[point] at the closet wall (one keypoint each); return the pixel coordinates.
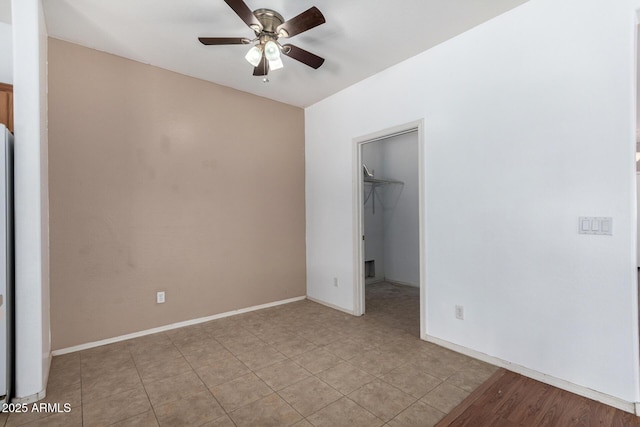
(391, 210)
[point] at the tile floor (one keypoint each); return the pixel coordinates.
(298, 364)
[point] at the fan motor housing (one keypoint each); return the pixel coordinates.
(270, 20)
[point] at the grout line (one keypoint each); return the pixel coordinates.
(471, 398)
(365, 330)
(205, 384)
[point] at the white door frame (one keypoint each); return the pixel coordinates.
(358, 215)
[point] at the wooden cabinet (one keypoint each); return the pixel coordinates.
(6, 105)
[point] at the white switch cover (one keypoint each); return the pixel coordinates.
(160, 298)
(585, 224)
(595, 225)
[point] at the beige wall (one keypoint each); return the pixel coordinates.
(160, 181)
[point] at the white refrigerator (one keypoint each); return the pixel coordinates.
(6, 263)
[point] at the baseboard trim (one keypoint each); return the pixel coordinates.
(539, 376)
(171, 326)
(328, 304)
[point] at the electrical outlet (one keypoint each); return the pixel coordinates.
(160, 298)
(335, 282)
(459, 312)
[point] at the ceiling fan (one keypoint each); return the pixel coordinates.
(269, 26)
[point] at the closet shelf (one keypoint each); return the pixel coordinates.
(376, 181)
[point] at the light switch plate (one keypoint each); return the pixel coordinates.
(600, 225)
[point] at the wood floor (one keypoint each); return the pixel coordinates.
(508, 399)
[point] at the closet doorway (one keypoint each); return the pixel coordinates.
(388, 178)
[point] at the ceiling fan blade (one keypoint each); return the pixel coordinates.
(223, 40)
(305, 21)
(308, 58)
(263, 67)
(243, 11)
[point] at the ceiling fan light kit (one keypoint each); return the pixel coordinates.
(268, 26)
(254, 56)
(271, 50)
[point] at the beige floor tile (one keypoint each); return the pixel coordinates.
(411, 380)
(270, 411)
(225, 368)
(345, 377)
(479, 365)
(107, 411)
(241, 342)
(445, 397)
(347, 348)
(273, 334)
(451, 357)
(146, 340)
(66, 361)
(28, 416)
(418, 414)
(175, 388)
(243, 346)
(469, 379)
(225, 328)
(381, 399)
(309, 395)
(223, 421)
(113, 361)
(241, 391)
(344, 413)
(317, 360)
(59, 393)
(154, 371)
(65, 370)
(261, 356)
(376, 362)
(294, 346)
(324, 336)
(282, 374)
(104, 353)
(146, 419)
(286, 346)
(195, 343)
(155, 353)
(437, 366)
(192, 411)
(71, 419)
(205, 357)
(110, 383)
(186, 331)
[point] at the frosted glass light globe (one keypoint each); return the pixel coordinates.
(271, 50)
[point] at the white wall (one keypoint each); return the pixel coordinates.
(392, 237)
(529, 124)
(6, 53)
(33, 346)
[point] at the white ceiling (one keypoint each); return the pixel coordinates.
(359, 39)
